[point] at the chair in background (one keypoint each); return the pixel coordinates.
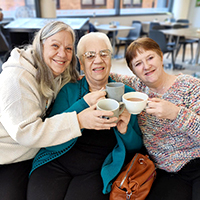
(160, 38)
(92, 28)
(161, 27)
(132, 35)
(22, 38)
(4, 49)
(172, 20)
(183, 42)
(152, 24)
(142, 31)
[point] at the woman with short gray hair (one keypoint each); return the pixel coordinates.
(85, 167)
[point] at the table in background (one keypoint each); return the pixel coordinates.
(107, 27)
(188, 33)
(5, 21)
(31, 25)
(168, 25)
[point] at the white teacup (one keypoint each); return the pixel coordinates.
(135, 101)
(111, 105)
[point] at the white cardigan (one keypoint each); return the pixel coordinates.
(22, 132)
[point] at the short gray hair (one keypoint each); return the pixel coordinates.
(88, 37)
(44, 73)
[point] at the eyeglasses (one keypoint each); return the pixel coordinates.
(91, 55)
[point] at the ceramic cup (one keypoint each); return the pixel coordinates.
(115, 90)
(135, 101)
(111, 105)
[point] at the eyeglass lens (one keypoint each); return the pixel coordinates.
(92, 54)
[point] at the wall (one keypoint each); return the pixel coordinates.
(194, 14)
(186, 9)
(51, 11)
(181, 9)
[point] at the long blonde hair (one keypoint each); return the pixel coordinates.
(44, 73)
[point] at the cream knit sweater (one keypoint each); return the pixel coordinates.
(22, 132)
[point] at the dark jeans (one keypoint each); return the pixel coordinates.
(183, 185)
(14, 180)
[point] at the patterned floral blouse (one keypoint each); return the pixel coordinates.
(171, 143)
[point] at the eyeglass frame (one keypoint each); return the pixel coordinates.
(95, 54)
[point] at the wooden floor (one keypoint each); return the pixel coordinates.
(119, 65)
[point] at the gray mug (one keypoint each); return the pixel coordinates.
(111, 105)
(115, 90)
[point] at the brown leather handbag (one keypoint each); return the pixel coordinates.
(135, 180)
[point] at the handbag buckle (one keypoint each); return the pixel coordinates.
(141, 161)
(128, 195)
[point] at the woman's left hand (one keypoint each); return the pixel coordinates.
(123, 121)
(162, 109)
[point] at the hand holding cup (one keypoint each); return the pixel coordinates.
(135, 102)
(115, 90)
(111, 105)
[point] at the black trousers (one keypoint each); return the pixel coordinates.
(14, 180)
(76, 174)
(183, 185)
(53, 181)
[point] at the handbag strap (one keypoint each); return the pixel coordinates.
(128, 171)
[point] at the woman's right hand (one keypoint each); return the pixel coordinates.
(91, 118)
(93, 97)
(162, 109)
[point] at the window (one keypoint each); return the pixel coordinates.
(145, 6)
(90, 8)
(87, 8)
(93, 3)
(132, 3)
(18, 8)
